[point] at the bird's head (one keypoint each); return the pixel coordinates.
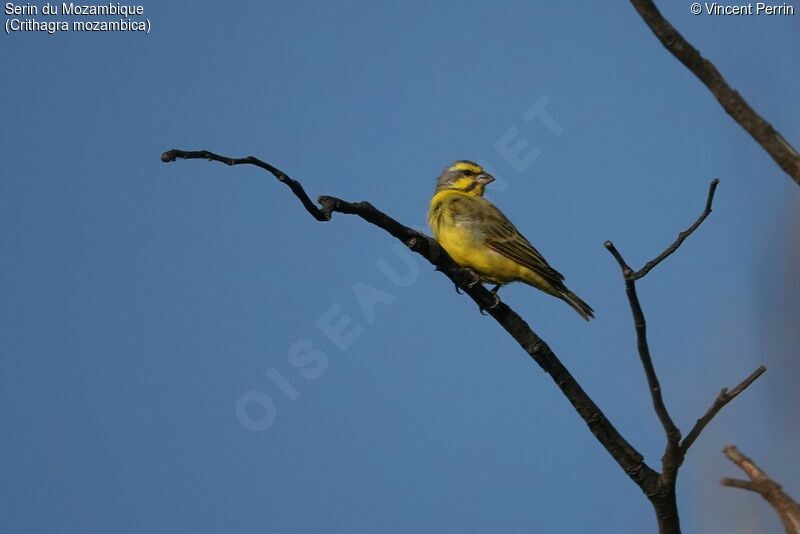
(465, 177)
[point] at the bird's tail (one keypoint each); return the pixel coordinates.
(583, 309)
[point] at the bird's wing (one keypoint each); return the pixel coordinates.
(503, 237)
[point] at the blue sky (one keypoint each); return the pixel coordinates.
(143, 301)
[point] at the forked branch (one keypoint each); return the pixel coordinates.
(675, 450)
(787, 508)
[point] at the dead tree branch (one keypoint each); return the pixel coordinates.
(712, 189)
(623, 452)
(784, 154)
(786, 507)
(722, 399)
(658, 487)
(675, 451)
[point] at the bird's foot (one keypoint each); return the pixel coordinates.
(471, 277)
(474, 278)
(496, 302)
(494, 305)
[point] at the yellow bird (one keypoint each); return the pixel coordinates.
(478, 236)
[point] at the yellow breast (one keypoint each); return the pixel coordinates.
(463, 239)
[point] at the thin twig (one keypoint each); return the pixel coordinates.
(623, 452)
(297, 189)
(737, 107)
(739, 483)
(712, 188)
(722, 399)
(787, 508)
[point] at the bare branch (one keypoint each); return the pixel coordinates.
(623, 452)
(747, 465)
(722, 399)
(712, 188)
(297, 189)
(738, 483)
(737, 107)
(673, 456)
(786, 507)
(672, 432)
(675, 451)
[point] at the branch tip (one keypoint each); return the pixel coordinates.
(738, 483)
(725, 396)
(641, 273)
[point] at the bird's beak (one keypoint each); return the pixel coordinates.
(484, 178)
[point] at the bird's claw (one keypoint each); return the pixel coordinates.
(494, 305)
(475, 278)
